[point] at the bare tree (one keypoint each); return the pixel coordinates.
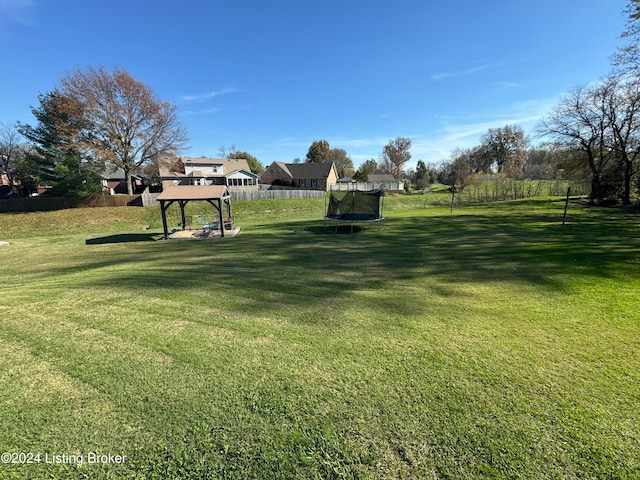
(124, 124)
(581, 122)
(622, 107)
(394, 155)
(12, 152)
(627, 58)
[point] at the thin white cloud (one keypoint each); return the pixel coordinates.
(16, 11)
(505, 85)
(459, 73)
(200, 112)
(466, 132)
(208, 96)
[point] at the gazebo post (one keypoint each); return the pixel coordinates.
(229, 209)
(163, 210)
(220, 223)
(183, 203)
(221, 218)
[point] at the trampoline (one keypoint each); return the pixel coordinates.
(353, 208)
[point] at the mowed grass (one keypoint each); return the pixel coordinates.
(493, 342)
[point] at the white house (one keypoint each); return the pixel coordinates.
(233, 173)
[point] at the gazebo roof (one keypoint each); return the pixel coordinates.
(194, 192)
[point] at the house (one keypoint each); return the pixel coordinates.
(233, 173)
(114, 181)
(308, 176)
(6, 189)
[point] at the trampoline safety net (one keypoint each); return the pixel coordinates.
(355, 205)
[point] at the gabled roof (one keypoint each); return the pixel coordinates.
(247, 172)
(380, 177)
(283, 166)
(310, 170)
(167, 167)
(203, 160)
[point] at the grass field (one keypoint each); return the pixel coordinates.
(493, 342)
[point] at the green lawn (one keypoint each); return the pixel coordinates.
(492, 342)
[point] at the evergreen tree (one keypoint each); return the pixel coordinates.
(56, 160)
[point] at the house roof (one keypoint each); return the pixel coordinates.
(244, 171)
(306, 170)
(204, 160)
(116, 173)
(193, 192)
(228, 165)
(282, 166)
(380, 177)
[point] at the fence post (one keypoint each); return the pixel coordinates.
(566, 204)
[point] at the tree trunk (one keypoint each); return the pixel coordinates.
(628, 173)
(127, 176)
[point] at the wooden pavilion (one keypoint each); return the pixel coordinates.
(217, 195)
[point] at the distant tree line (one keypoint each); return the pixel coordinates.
(395, 154)
(592, 135)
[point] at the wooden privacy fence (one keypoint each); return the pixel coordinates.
(276, 194)
(46, 204)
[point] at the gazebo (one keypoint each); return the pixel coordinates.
(216, 195)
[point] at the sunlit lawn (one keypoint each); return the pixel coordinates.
(491, 342)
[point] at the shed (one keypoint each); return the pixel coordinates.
(216, 195)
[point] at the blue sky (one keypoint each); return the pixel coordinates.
(270, 77)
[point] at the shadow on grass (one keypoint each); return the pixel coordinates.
(280, 264)
(124, 238)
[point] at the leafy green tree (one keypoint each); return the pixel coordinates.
(504, 150)
(422, 178)
(319, 151)
(365, 169)
(460, 168)
(254, 164)
(543, 162)
(344, 164)
(56, 159)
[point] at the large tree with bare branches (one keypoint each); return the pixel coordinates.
(124, 124)
(627, 58)
(394, 155)
(12, 152)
